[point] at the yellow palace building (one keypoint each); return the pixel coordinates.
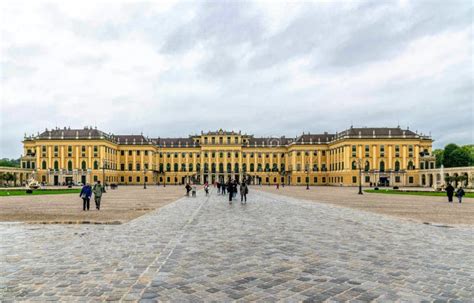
(382, 156)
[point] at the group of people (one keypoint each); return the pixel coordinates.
(231, 188)
(86, 194)
(450, 191)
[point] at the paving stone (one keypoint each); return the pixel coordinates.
(274, 248)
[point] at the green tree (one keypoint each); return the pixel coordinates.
(470, 150)
(459, 158)
(438, 153)
(10, 162)
(448, 159)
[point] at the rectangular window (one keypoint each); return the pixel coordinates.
(146, 153)
(354, 151)
(129, 152)
(397, 179)
(324, 179)
(122, 166)
(130, 167)
(130, 179)
(410, 150)
(397, 150)
(138, 179)
(367, 151)
(56, 150)
(122, 179)
(298, 180)
(138, 153)
(324, 153)
(410, 180)
(83, 151)
(69, 151)
(354, 179)
(95, 151)
(315, 179)
(122, 153)
(138, 166)
(382, 150)
(367, 179)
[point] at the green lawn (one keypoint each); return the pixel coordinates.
(415, 193)
(22, 192)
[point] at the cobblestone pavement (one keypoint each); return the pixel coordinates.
(273, 248)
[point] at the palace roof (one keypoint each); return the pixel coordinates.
(68, 133)
(378, 132)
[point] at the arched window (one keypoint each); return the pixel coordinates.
(69, 165)
(183, 166)
(96, 165)
(410, 165)
(397, 165)
(267, 167)
(229, 167)
(198, 167)
(161, 167)
(252, 167)
(213, 167)
(244, 167)
(168, 167)
(221, 167)
(191, 167)
(382, 166)
(315, 167)
(367, 166)
(259, 167)
(275, 167)
(56, 165)
(206, 167)
(84, 165)
(176, 167)
(43, 165)
(354, 165)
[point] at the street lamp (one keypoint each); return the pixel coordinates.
(359, 162)
(144, 178)
(103, 172)
(307, 176)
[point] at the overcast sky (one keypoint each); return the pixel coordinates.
(266, 68)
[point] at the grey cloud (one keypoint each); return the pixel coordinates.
(217, 24)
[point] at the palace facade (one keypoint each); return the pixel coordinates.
(383, 156)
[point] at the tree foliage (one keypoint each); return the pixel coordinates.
(10, 162)
(455, 156)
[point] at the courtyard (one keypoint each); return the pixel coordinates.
(277, 247)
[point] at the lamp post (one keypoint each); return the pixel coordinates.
(144, 178)
(359, 162)
(307, 176)
(103, 172)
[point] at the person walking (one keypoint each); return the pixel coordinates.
(450, 191)
(188, 189)
(98, 190)
(206, 188)
(223, 186)
(229, 190)
(234, 189)
(460, 193)
(86, 193)
(244, 189)
(218, 188)
(194, 190)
